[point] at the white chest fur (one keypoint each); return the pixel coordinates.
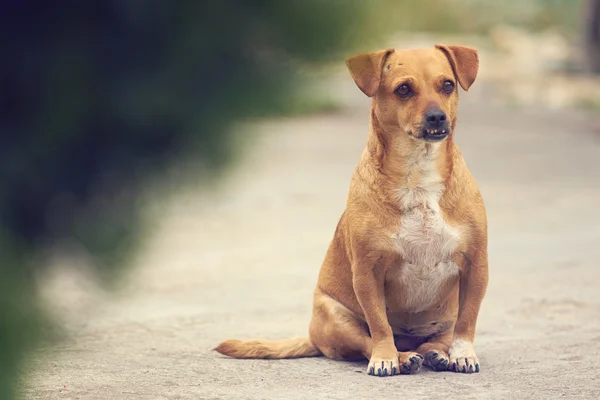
(425, 241)
(424, 237)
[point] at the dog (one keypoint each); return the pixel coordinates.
(403, 279)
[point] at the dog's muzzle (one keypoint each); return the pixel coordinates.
(435, 126)
(435, 135)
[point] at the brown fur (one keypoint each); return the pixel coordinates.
(406, 271)
(286, 348)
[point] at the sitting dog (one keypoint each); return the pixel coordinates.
(404, 276)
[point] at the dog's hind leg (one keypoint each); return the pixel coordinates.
(338, 332)
(435, 350)
(341, 335)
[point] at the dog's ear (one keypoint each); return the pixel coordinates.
(464, 62)
(366, 70)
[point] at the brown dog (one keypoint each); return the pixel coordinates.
(405, 274)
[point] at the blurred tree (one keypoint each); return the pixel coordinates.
(591, 35)
(98, 95)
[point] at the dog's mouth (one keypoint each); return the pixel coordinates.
(434, 135)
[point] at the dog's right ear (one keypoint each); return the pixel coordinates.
(464, 62)
(366, 70)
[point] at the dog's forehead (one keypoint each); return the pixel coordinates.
(431, 62)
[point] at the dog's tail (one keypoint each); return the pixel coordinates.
(271, 349)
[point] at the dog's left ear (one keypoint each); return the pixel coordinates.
(464, 62)
(366, 70)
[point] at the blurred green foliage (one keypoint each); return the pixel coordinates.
(98, 96)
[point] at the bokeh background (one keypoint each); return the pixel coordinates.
(111, 109)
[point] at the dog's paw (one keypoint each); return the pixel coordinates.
(410, 362)
(379, 367)
(437, 360)
(463, 357)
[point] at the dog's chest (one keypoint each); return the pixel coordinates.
(426, 244)
(424, 237)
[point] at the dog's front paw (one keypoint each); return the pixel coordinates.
(463, 357)
(379, 366)
(410, 362)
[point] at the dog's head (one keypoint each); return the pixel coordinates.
(415, 91)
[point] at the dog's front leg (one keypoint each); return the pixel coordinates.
(368, 281)
(473, 285)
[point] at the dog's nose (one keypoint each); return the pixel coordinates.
(435, 118)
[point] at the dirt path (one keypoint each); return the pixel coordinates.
(243, 263)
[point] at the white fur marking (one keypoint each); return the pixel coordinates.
(425, 241)
(462, 349)
(422, 283)
(430, 186)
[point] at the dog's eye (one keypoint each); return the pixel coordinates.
(448, 87)
(404, 91)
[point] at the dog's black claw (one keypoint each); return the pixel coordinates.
(379, 371)
(453, 367)
(393, 370)
(385, 371)
(416, 359)
(470, 368)
(436, 361)
(477, 367)
(464, 368)
(442, 365)
(372, 371)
